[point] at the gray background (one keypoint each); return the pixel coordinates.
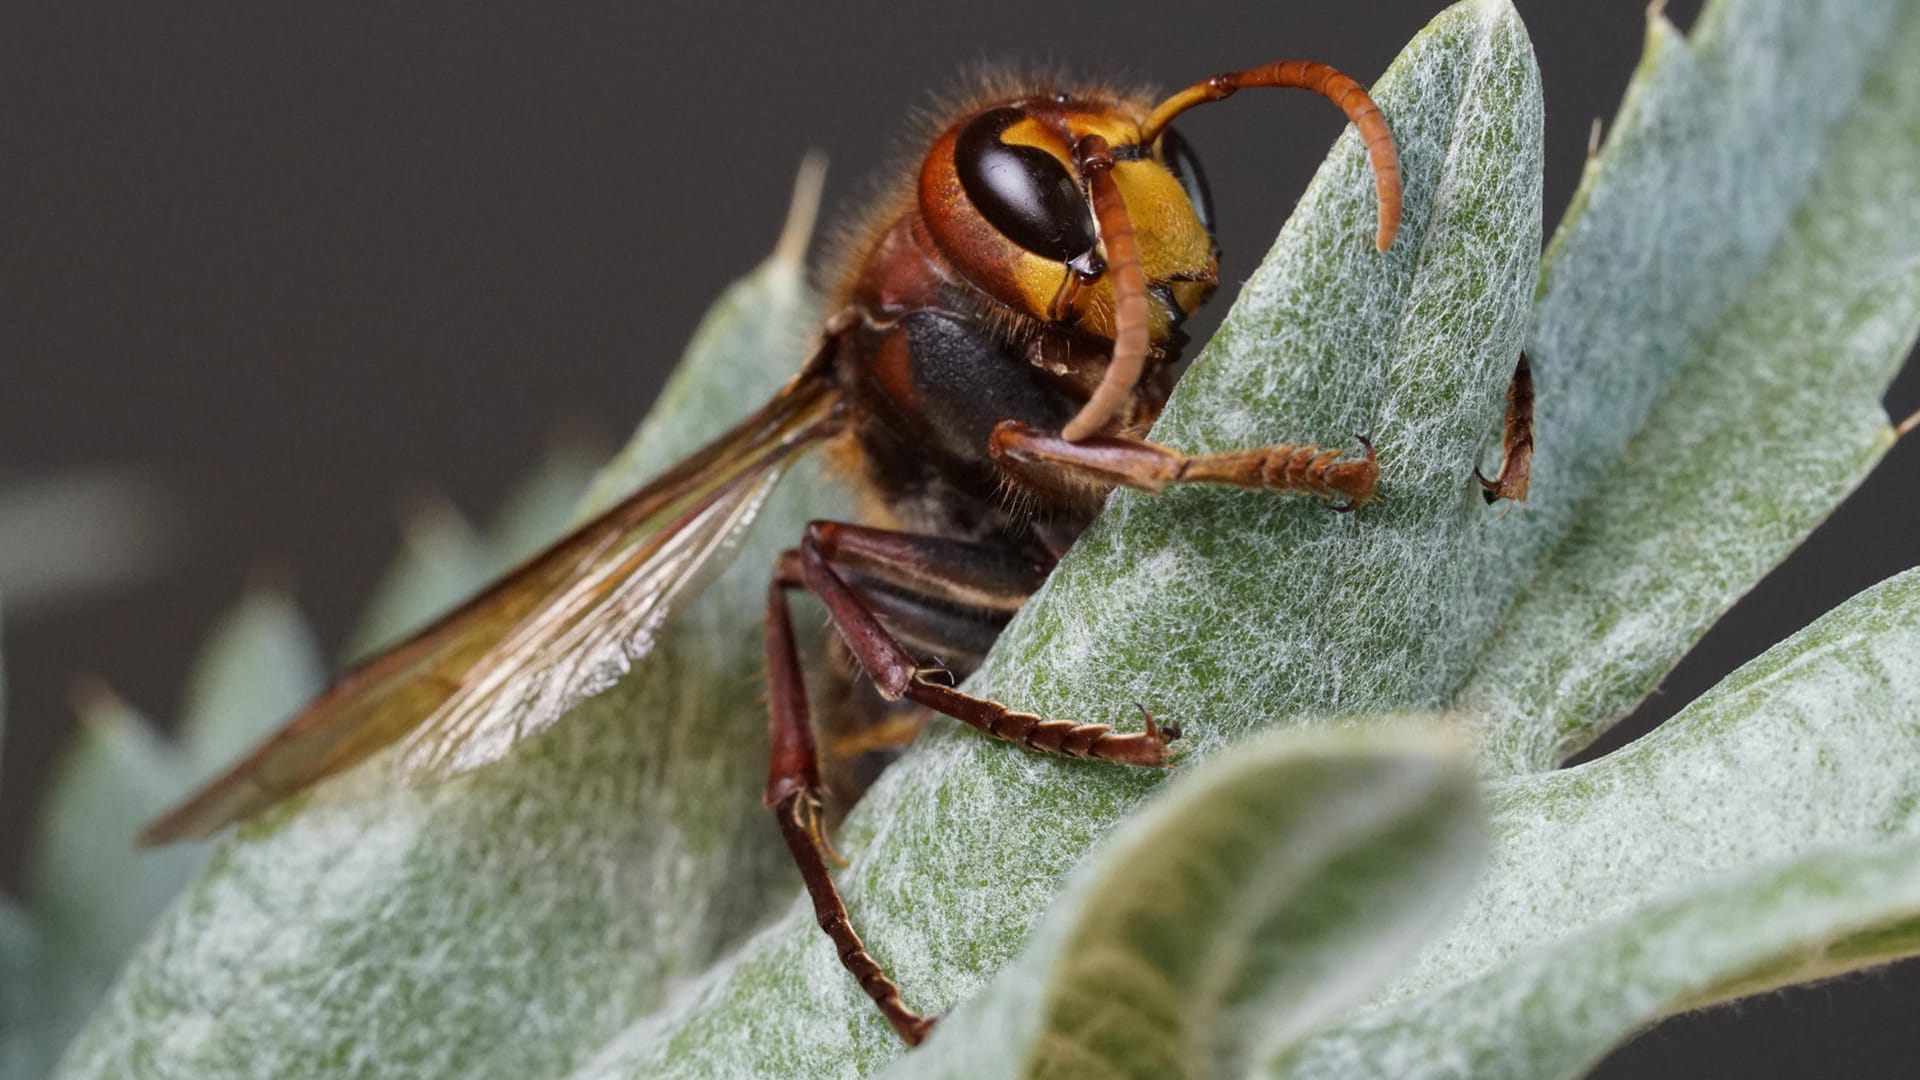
(300, 260)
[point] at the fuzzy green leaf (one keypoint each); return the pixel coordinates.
(501, 923)
(1239, 909)
(257, 666)
(1767, 834)
(1741, 270)
(1228, 610)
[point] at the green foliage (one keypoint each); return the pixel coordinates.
(1711, 331)
(444, 559)
(91, 895)
(1273, 609)
(61, 953)
(529, 908)
(1735, 287)
(1251, 903)
(80, 530)
(1766, 835)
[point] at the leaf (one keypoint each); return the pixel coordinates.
(1767, 834)
(260, 664)
(537, 510)
(1554, 1013)
(118, 774)
(500, 923)
(1227, 610)
(442, 561)
(25, 1053)
(80, 530)
(93, 894)
(1741, 268)
(1240, 908)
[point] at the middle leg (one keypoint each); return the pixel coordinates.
(933, 584)
(795, 795)
(970, 574)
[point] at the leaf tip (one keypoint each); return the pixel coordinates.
(803, 210)
(1660, 29)
(1492, 12)
(94, 703)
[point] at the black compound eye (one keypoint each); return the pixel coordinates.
(1178, 156)
(1023, 191)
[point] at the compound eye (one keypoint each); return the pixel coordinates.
(1178, 156)
(1023, 191)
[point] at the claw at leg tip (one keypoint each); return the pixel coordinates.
(1165, 732)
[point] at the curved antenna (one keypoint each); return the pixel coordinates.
(1328, 83)
(1094, 158)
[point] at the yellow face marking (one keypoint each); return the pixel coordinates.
(1173, 244)
(1027, 131)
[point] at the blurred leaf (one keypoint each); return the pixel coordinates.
(503, 923)
(1767, 834)
(79, 530)
(259, 665)
(540, 506)
(25, 1050)
(1239, 909)
(93, 894)
(3, 676)
(24, 1053)
(1741, 269)
(442, 561)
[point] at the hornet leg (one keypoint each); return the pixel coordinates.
(896, 674)
(794, 794)
(1048, 461)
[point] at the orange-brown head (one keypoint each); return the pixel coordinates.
(1090, 212)
(1003, 196)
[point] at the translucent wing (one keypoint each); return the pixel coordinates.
(586, 639)
(562, 627)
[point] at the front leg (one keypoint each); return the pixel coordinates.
(794, 794)
(1046, 460)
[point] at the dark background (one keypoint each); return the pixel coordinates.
(299, 261)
